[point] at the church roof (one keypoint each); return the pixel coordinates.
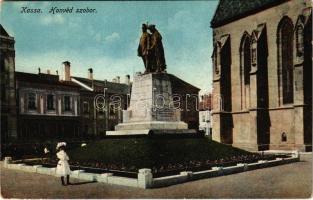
(231, 10)
(3, 32)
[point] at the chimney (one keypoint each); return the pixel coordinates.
(127, 79)
(67, 71)
(38, 70)
(57, 72)
(48, 71)
(118, 79)
(90, 74)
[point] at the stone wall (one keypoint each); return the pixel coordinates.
(7, 83)
(258, 125)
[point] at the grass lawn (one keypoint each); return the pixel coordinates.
(150, 152)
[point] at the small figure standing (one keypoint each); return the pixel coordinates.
(63, 168)
(46, 150)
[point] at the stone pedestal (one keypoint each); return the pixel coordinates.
(145, 178)
(151, 108)
(7, 160)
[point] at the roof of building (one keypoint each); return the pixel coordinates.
(231, 10)
(3, 32)
(177, 81)
(42, 78)
(114, 88)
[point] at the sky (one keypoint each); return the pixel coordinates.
(107, 39)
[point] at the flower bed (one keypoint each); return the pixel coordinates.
(124, 157)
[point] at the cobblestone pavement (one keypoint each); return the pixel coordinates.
(286, 181)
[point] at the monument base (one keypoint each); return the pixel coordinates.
(151, 109)
(151, 127)
(151, 132)
(163, 125)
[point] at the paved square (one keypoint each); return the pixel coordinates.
(287, 181)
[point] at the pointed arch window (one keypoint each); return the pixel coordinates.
(215, 59)
(246, 60)
(285, 54)
(299, 40)
(245, 57)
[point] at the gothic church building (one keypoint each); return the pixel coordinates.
(262, 74)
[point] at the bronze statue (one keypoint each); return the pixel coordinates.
(142, 50)
(151, 50)
(156, 49)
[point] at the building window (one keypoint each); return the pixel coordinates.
(247, 61)
(50, 102)
(85, 107)
(215, 60)
(2, 64)
(203, 118)
(284, 137)
(67, 103)
(32, 101)
(307, 67)
(225, 80)
(3, 92)
(285, 68)
(299, 40)
(245, 54)
(253, 54)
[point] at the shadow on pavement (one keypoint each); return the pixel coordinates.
(81, 183)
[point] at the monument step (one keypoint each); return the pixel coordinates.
(151, 125)
(151, 132)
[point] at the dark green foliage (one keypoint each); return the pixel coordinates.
(147, 152)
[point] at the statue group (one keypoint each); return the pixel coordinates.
(151, 49)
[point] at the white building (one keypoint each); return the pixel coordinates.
(205, 123)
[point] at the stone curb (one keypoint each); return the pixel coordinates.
(145, 179)
(220, 171)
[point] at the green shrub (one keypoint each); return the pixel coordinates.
(149, 152)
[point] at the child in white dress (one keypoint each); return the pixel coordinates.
(63, 168)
